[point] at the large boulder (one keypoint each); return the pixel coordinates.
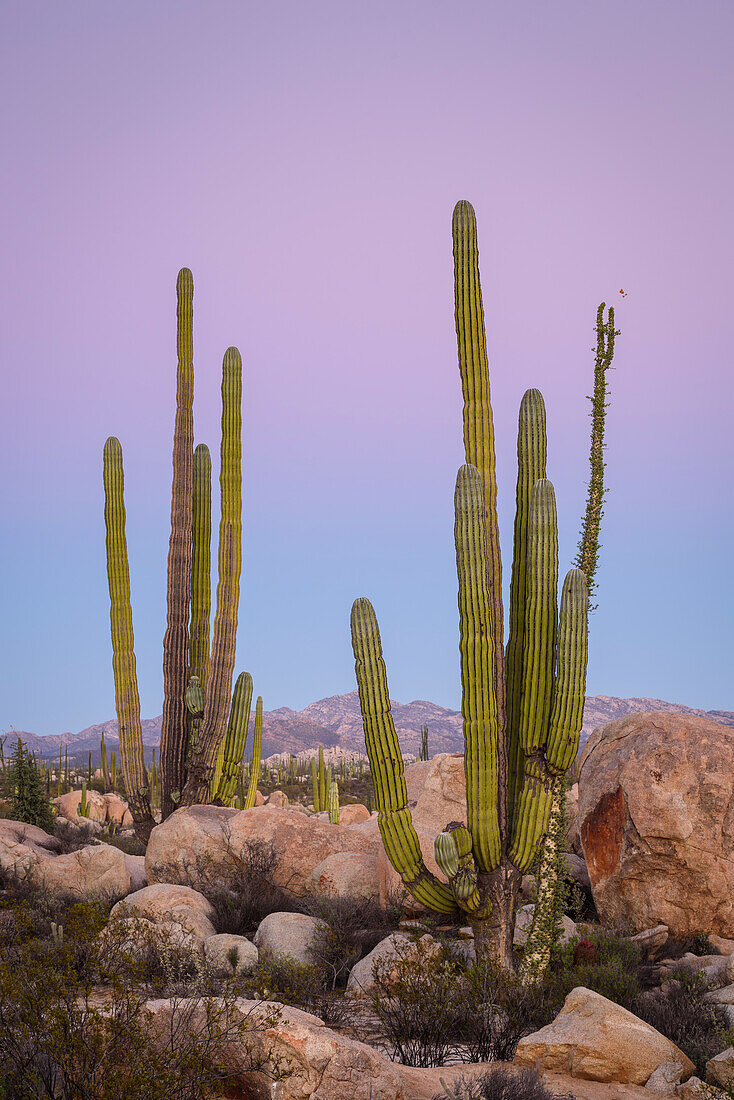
(353, 814)
(345, 875)
(596, 1039)
(308, 1059)
(117, 812)
(97, 872)
(387, 958)
(289, 934)
(228, 954)
(67, 806)
(170, 903)
(656, 814)
(193, 842)
(442, 797)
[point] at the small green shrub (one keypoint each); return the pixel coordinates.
(614, 975)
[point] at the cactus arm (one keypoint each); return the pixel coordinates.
(531, 466)
(479, 446)
(534, 796)
(219, 683)
(127, 699)
(322, 779)
(233, 746)
(386, 762)
(174, 724)
(476, 646)
(201, 583)
(567, 712)
(256, 754)
(334, 803)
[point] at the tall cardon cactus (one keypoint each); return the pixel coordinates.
(522, 717)
(197, 682)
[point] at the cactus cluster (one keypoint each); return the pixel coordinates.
(202, 737)
(522, 712)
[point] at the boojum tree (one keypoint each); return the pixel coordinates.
(202, 737)
(522, 710)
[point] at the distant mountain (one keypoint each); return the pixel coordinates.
(336, 723)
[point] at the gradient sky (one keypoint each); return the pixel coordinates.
(304, 161)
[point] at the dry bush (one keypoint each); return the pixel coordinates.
(349, 929)
(502, 1084)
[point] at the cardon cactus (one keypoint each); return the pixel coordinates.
(334, 803)
(224, 783)
(174, 724)
(315, 785)
(256, 755)
(512, 756)
(202, 759)
(127, 698)
(197, 683)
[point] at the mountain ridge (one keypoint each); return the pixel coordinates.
(336, 723)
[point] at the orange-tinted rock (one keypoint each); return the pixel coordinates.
(656, 814)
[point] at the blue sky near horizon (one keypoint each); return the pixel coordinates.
(304, 162)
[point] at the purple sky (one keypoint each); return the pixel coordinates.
(304, 160)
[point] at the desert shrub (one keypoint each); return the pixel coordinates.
(303, 985)
(239, 885)
(417, 1000)
(679, 1011)
(502, 1083)
(130, 844)
(349, 929)
(498, 1011)
(615, 975)
(56, 1043)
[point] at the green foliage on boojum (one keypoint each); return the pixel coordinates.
(322, 780)
(315, 784)
(522, 717)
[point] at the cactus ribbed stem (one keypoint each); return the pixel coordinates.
(478, 701)
(541, 601)
(315, 785)
(175, 724)
(229, 760)
(256, 755)
(219, 684)
(334, 803)
(531, 462)
(386, 762)
(322, 780)
(201, 581)
(127, 699)
(567, 713)
(479, 440)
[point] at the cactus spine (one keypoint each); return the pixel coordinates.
(127, 699)
(544, 675)
(224, 783)
(219, 684)
(256, 755)
(174, 725)
(334, 803)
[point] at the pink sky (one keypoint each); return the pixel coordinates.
(304, 161)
